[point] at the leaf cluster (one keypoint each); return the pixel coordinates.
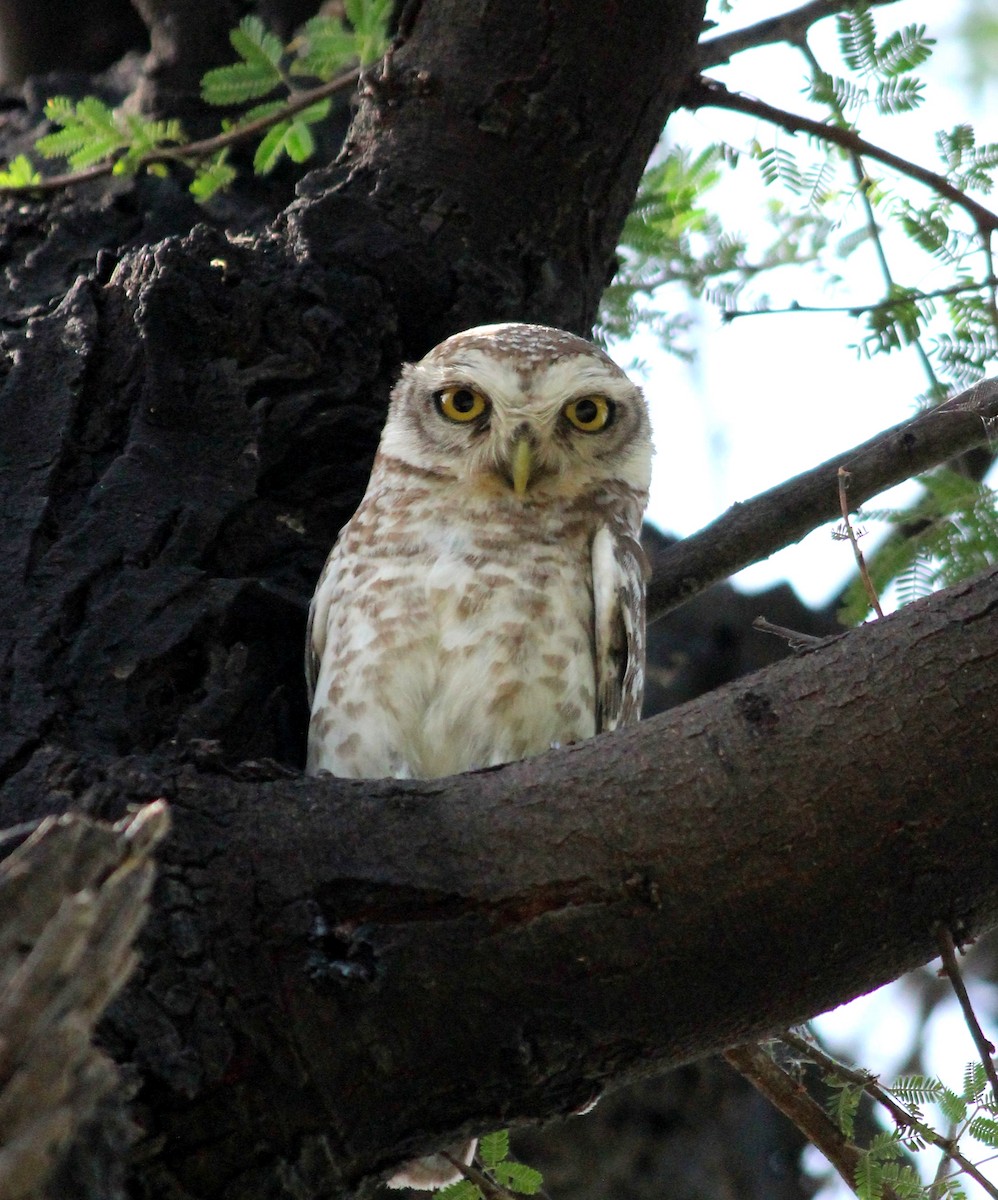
(816, 191)
(91, 131)
(671, 236)
(266, 77)
(499, 1169)
(884, 1167)
(883, 69)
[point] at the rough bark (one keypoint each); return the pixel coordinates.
(387, 963)
(72, 899)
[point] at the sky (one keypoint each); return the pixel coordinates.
(770, 396)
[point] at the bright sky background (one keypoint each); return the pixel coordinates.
(770, 396)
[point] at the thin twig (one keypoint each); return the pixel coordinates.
(799, 642)
(947, 951)
(709, 93)
(194, 150)
(906, 296)
(795, 1102)
(902, 1118)
(754, 529)
(942, 1169)
(850, 533)
(490, 1189)
(863, 187)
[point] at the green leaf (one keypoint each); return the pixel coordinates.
(268, 109)
(919, 583)
(212, 177)
(327, 46)
(238, 83)
(369, 19)
(299, 144)
(493, 1148)
(464, 1189)
(858, 39)
(903, 1181)
(518, 1177)
(252, 41)
(916, 1089)
(20, 172)
(257, 74)
(985, 1130)
(89, 134)
(898, 95)
(869, 1178)
(268, 153)
(838, 93)
(975, 1081)
(776, 164)
(843, 1105)
(928, 228)
(953, 145)
(315, 112)
(903, 51)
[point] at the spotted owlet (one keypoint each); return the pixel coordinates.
(486, 600)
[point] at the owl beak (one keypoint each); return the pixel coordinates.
(521, 464)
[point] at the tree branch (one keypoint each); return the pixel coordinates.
(903, 1119)
(789, 27)
(709, 93)
(951, 967)
(794, 1101)
(188, 151)
(505, 943)
(907, 295)
(753, 530)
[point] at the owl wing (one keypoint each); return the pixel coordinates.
(620, 571)
(315, 630)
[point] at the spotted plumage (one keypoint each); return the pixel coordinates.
(486, 600)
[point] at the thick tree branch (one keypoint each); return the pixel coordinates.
(753, 530)
(709, 93)
(449, 955)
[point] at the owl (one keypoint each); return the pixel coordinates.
(486, 600)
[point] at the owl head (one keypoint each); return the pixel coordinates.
(524, 411)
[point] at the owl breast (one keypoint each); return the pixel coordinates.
(454, 649)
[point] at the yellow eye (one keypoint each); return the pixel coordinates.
(461, 403)
(590, 414)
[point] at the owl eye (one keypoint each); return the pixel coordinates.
(590, 414)
(460, 403)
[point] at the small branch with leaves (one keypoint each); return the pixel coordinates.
(970, 1110)
(709, 93)
(97, 140)
(493, 1175)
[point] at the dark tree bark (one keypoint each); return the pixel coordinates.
(384, 963)
(340, 974)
